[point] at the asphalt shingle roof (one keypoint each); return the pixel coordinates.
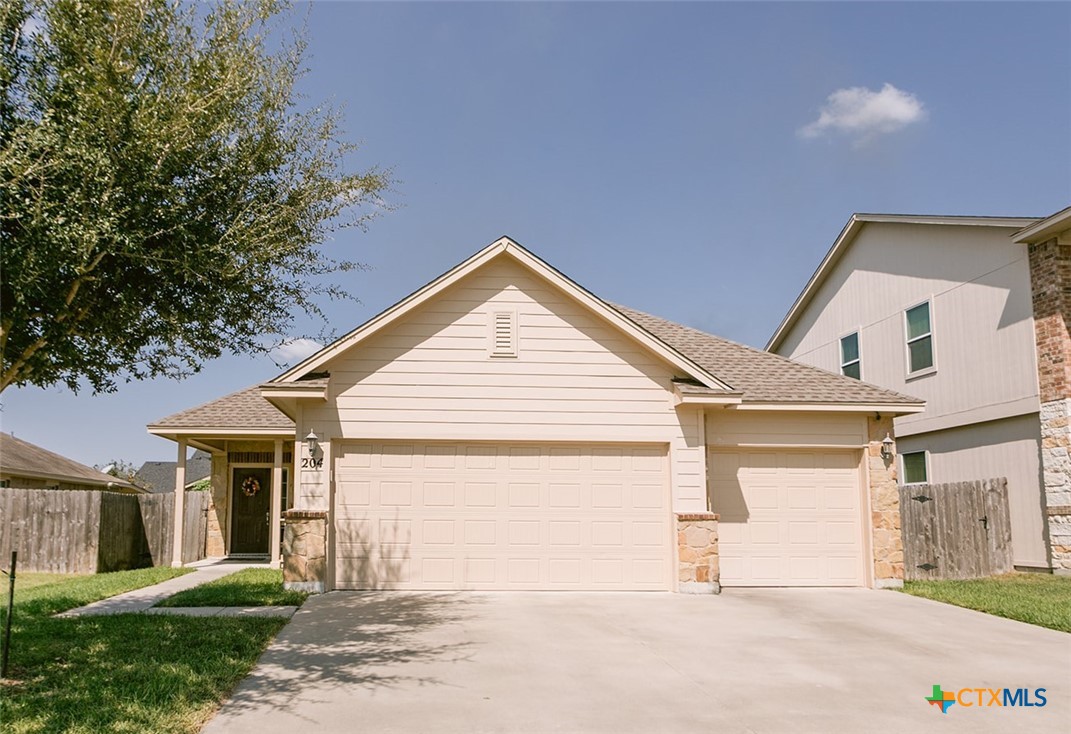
(243, 409)
(159, 476)
(18, 457)
(763, 377)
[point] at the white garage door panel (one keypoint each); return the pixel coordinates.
(435, 516)
(788, 518)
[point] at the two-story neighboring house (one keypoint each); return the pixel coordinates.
(970, 314)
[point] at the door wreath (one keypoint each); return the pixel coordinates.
(250, 487)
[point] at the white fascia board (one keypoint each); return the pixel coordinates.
(884, 408)
(212, 432)
(503, 245)
(294, 391)
(1045, 228)
(70, 479)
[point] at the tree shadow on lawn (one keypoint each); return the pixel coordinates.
(357, 639)
(127, 672)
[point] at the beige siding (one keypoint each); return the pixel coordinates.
(1006, 448)
(763, 429)
(430, 376)
(981, 315)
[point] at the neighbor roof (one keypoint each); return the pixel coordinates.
(159, 476)
(22, 458)
(245, 409)
(764, 377)
(847, 235)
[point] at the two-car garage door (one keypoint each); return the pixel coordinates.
(500, 516)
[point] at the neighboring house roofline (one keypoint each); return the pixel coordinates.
(848, 234)
(502, 246)
(1044, 229)
(19, 458)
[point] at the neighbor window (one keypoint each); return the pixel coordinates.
(919, 338)
(914, 467)
(849, 356)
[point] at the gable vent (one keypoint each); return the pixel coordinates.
(504, 334)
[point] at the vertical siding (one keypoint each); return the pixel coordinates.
(1005, 448)
(430, 376)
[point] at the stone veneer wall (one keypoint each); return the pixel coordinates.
(1050, 282)
(888, 544)
(697, 553)
(305, 550)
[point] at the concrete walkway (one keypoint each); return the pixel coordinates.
(141, 600)
(286, 612)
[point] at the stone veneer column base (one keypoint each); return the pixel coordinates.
(697, 553)
(305, 550)
(887, 545)
(1056, 468)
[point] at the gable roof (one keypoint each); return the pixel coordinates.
(764, 377)
(159, 476)
(22, 458)
(502, 247)
(244, 410)
(848, 234)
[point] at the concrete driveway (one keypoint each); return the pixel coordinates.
(746, 661)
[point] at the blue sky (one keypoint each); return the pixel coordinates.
(667, 156)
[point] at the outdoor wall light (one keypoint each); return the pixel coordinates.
(313, 442)
(886, 447)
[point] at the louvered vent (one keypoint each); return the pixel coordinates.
(504, 334)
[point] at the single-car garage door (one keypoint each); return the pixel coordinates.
(788, 518)
(496, 516)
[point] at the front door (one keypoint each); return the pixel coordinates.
(251, 508)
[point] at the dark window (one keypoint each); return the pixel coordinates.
(914, 467)
(850, 364)
(919, 338)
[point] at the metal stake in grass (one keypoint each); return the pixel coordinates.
(10, 609)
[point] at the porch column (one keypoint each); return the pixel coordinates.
(180, 503)
(276, 503)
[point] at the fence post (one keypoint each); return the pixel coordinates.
(10, 611)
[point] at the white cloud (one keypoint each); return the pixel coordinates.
(864, 114)
(295, 350)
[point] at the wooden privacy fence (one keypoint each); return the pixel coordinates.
(958, 530)
(75, 531)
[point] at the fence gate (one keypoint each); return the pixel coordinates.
(959, 530)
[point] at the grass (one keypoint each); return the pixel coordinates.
(121, 673)
(250, 587)
(1034, 598)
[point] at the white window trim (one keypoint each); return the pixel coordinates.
(858, 331)
(926, 461)
(493, 352)
(933, 342)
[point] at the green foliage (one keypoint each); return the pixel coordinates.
(165, 197)
(250, 587)
(1035, 598)
(122, 673)
(201, 485)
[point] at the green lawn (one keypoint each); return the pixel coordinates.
(122, 673)
(250, 587)
(1035, 598)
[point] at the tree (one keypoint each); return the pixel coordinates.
(163, 197)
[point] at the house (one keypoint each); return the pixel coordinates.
(159, 476)
(24, 465)
(971, 314)
(504, 428)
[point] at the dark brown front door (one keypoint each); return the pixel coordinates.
(251, 507)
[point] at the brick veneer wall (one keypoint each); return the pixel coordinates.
(887, 545)
(1050, 281)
